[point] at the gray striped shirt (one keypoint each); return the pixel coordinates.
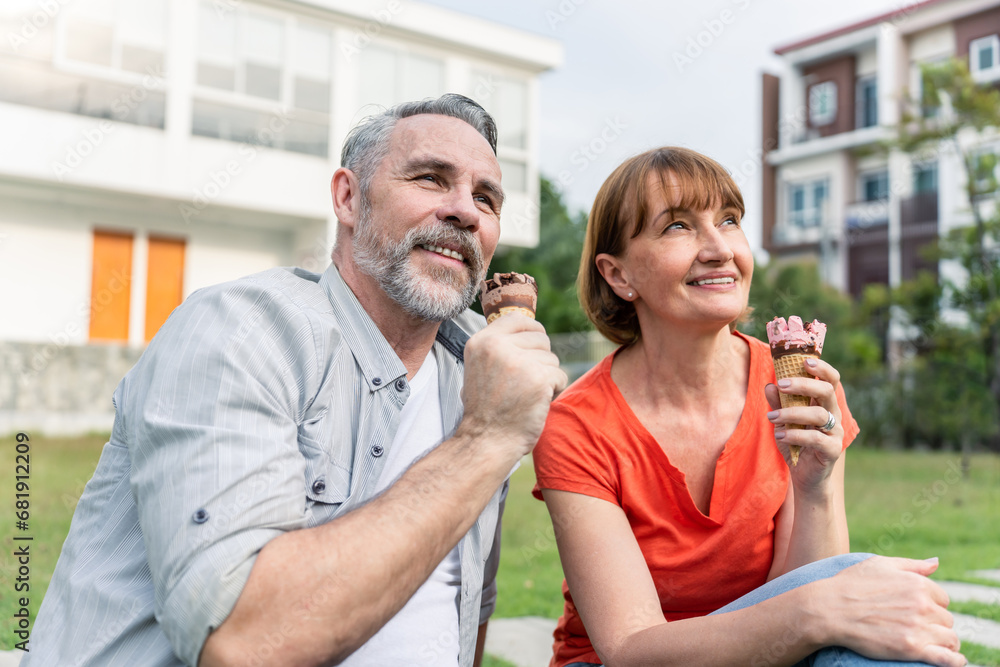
(263, 405)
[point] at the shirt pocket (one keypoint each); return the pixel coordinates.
(327, 485)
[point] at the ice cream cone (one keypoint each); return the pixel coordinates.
(791, 344)
(789, 366)
(510, 309)
(509, 293)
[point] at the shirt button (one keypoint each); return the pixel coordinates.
(377, 451)
(201, 516)
(400, 384)
(319, 486)
(377, 382)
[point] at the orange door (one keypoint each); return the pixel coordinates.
(164, 282)
(110, 287)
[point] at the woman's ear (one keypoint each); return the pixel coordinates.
(615, 275)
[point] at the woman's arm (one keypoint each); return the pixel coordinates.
(806, 532)
(617, 600)
(812, 523)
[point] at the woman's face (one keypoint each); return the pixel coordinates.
(688, 267)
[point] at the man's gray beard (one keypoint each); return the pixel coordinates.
(435, 295)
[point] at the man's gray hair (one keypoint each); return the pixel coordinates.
(368, 143)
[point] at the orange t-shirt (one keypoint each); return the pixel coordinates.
(593, 444)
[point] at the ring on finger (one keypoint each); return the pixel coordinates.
(830, 424)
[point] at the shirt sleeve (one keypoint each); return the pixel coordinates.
(489, 598)
(211, 413)
(569, 457)
(851, 428)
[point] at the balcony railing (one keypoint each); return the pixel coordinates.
(788, 234)
(865, 214)
(40, 85)
(919, 209)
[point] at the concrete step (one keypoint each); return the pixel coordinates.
(525, 641)
(986, 574)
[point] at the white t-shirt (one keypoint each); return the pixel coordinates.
(425, 630)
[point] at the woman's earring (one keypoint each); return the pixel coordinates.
(630, 295)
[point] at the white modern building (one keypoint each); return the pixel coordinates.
(867, 214)
(152, 147)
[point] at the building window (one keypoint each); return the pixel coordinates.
(96, 58)
(807, 203)
(867, 102)
(507, 101)
(263, 79)
(823, 103)
(23, 37)
(506, 98)
(390, 76)
(128, 35)
(875, 185)
(925, 178)
(984, 58)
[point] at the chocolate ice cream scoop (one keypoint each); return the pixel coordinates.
(509, 292)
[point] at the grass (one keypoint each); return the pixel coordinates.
(977, 654)
(899, 504)
(529, 582)
(918, 505)
(990, 612)
(493, 661)
(58, 471)
(908, 504)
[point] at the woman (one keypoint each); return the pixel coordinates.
(664, 467)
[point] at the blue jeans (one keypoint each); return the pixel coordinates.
(833, 656)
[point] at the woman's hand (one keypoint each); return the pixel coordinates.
(887, 608)
(820, 449)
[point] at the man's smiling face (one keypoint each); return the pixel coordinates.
(431, 219)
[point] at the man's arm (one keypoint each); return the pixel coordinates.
(328, 589)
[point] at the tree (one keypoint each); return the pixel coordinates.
(964, 113)
(554, 263)
(955, 112)
(942, 397)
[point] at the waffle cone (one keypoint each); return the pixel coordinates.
(792, 366)
(510, 309)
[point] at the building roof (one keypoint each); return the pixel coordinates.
(896, 14)
(459, 30)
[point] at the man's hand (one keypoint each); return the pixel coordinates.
(511, 377)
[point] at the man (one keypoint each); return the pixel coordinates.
(256, 504)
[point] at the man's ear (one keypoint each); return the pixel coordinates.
(346, 196)
(614, 274)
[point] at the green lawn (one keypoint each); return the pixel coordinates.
(900, 504)
(918, 505)
(59, 469)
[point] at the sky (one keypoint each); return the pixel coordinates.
(637, 75)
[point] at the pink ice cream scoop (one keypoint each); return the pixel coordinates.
(791, 343)
(793, 337)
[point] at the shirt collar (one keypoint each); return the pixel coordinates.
(379, 363)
